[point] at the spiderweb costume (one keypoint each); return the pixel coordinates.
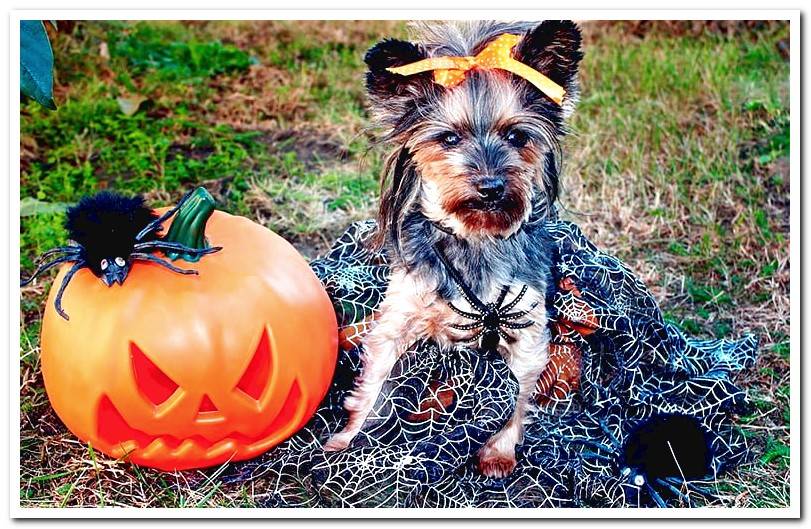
(631, 412)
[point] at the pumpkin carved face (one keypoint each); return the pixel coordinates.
(183, 371)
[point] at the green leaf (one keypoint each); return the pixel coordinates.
(36, 63)
(30, 207)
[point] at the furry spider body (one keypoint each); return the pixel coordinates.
(111, 232)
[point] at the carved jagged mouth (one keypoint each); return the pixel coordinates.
(159, 389)
(117, 432)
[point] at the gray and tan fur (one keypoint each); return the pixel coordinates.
(473, 172)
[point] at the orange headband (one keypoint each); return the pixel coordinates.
(450, 71)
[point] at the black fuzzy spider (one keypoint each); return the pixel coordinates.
(667, 453)
(111, 232)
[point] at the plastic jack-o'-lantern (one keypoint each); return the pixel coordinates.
(219, 362)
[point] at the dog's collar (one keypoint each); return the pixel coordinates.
(492, 318)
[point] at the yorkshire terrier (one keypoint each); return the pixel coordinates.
(472, 176)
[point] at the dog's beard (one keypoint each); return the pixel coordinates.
(502, 218)
(470, 216)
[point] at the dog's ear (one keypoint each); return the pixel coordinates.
(553, 48)
(399, 187)
(390, 53)
(393, 95)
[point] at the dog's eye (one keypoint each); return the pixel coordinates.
(517, 138)
(450, 139)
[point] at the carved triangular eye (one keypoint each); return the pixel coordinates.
(153, 383)
(255, 379)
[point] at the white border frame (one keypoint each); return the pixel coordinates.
(16, 511)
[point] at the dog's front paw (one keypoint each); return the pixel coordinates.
(339, 441)
(495, 463)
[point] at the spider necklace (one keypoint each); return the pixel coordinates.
(491, 318)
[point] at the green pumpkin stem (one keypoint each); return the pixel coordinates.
(189, 225)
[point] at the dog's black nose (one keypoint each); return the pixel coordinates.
(490, 189)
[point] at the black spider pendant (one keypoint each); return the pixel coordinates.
(491, 318)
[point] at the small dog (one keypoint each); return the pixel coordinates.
(473, 173)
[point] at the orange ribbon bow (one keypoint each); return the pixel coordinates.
(450, 71)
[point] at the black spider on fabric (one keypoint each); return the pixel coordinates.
(111, 232)
(491, 318)
(669, 445)
(667, 451)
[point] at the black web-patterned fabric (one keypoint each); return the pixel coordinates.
(631, 413)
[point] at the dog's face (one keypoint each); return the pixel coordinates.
(484, 153)
(480, 155)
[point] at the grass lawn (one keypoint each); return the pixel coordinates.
(678, 164)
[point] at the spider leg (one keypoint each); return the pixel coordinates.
(466, 326)
(515, 300)
(472, 301)
(596, 444)
(163, 263)
(595, 455)
(156, 224)
(609, 433)
(465, 314)
(506, 337)
(514, 315)
(474, 337)
(655, 496)
(47, 266)
(690, 485)
(58, 301)
(682, 496)
(166, 245)
(59, 249)
(502, 296)
(518, 314)
(517, 325)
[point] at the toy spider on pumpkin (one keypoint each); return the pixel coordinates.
(111, 232)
